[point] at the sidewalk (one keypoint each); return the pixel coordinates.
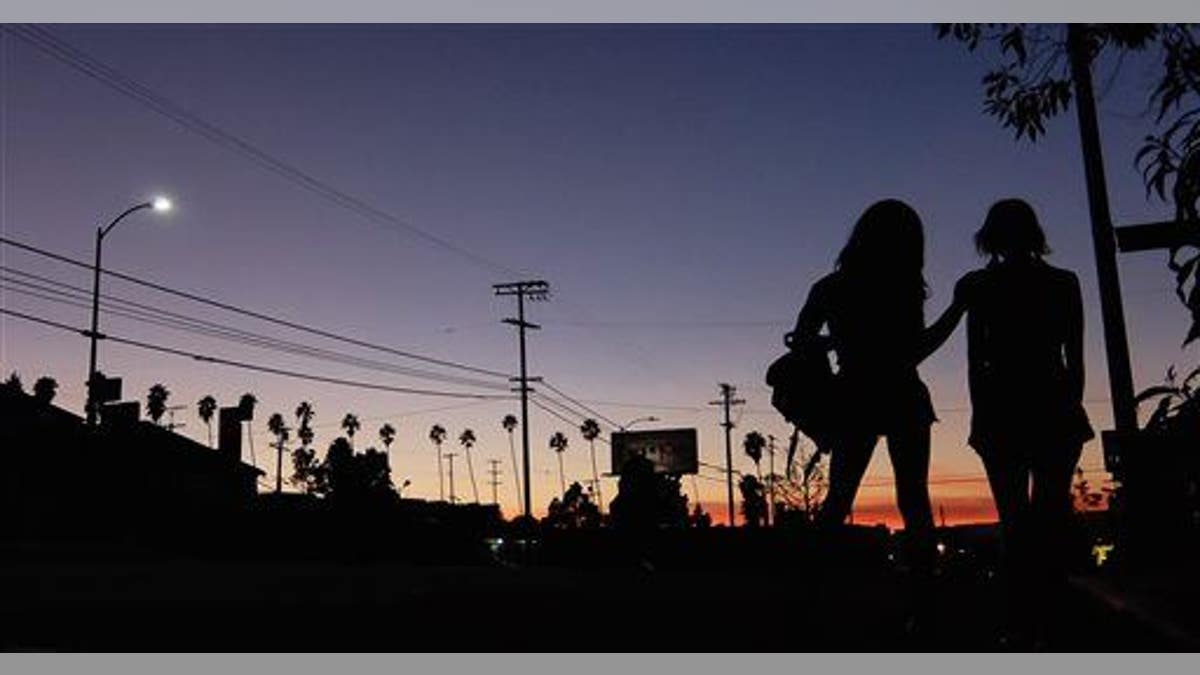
(1164, 604)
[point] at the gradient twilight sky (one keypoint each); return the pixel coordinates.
(679, 186)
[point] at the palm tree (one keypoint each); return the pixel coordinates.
(558, 443)
(304, 415)
(387, 435)
(281, 432)
(246, 412)
(156, 402)
(351, 424)
(206, 407)
(753, 444)
(14, 383)
(591, 431)
(437, 434)
(44, 389)
(509, 423)
(304, 460)
(467, 439)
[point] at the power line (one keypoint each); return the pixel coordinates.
(649, 406)
(671, 323)
(537, 402)
(71, 56)
(560, 392)
(578, 419)
(414, 413)
(88, 65)
(251, 366)
(150, 314)
(247, 312)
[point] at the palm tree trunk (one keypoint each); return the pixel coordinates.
(441, 483)
(471, 472)
(596, 479)
(279, 468)
(512, 451)
(209, 423)
(562, 479)
(758, 471)
(771, 488)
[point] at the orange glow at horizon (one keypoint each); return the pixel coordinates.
(958, 510)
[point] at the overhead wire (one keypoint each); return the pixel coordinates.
(64, 52)
(250, 313)
(170, 319)
(581, 406)
(217, 360)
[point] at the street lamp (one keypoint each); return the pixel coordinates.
(626, 426)
(159, 204)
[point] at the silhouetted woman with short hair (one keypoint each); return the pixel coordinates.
(873, 307)
(1025, 353)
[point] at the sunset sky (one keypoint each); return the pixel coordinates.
(680, 187)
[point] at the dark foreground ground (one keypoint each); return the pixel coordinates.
(53, 602)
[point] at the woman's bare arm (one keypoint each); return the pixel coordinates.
(939, 331)
(977, 357)
(811, 318)
(936, 334)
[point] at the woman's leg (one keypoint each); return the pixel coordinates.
(1051, 535)
(1008, 477)
(847, 464)
(909, 452)
(1050, 511)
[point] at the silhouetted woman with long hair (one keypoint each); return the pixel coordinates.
(1025, 353)
(873, 308)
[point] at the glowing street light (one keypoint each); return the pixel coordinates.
(159, 204)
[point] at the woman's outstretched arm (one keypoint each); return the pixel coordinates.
(936, 334)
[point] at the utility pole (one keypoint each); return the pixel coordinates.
(495, 482)
(534, 290)
(727, 401)
(450, 456)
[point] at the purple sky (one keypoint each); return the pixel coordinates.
(679, 186)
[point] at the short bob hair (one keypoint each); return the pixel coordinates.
(1011, 230)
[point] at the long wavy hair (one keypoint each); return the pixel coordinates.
(886, 253)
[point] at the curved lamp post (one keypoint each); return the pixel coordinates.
(627, 425)
(159, 204)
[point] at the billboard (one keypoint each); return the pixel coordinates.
(229, 433)
(673, 451)
(105, 389)
(124, 414)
